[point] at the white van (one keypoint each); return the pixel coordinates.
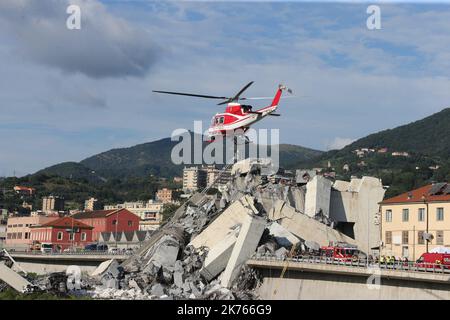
(46, 248)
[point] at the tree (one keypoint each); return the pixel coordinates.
(168, 211)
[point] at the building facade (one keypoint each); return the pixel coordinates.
(18, 230)
(52, 204)
(147, 211)
(91, 204)
(164, 195)
(62, 233)
(217, 178)
(24, 191)
(118, 220)
(194, 178)
(415, 222)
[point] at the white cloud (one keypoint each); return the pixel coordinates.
(105, 46)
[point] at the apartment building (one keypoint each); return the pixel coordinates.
(164, 195)
(149, 210)
(194, 178)
(216, 178)
(416, 221)
(52, 204)
(91, 204)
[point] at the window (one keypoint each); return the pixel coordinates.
(440, 237)
(114, 222)
(388, 215)
(405, 237)
(405, 252)
(19, 235)
(421, 214)
(59, 236)
(405, 215)
(130, 223)
(71, 236)
(439, 214)
(420, 239)
(83, 236)
(388, 236)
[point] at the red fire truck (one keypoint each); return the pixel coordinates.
(434, 260)
(340, 251)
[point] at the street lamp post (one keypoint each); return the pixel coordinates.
(424, 198)
(117, 223)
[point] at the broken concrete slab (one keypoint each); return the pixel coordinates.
(13, 279)
(102, 267)
(165, 252)
(248, 165)
(281, 253)
(157, 290)
(218, 256)
(282, 236)
(317, 198)
(307, 228)
(296, 197)
(221, 226)
(277, 212)
(178, 279)
(246, 244)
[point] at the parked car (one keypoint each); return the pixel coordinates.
(96, 247)
(113, 250)
(35, 246)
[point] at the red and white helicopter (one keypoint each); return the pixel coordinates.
(237, 117)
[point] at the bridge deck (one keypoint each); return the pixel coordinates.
(97, 257)
(355, 270)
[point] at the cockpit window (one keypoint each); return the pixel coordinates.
(246, 108)
(219, 120)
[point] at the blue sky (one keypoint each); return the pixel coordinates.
(66, 95)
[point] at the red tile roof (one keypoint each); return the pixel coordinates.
(96, 214)
(65, 222)
(17, 188)
(418, 195)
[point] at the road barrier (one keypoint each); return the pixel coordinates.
(403, 266)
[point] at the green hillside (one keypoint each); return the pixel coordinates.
(427, 142)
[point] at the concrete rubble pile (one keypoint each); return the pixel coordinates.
(201, 252)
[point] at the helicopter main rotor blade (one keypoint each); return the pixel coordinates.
(236, 97)
(266, 98)
(191, 95)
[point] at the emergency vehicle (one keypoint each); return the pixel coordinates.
(340, 251)
(434, 260)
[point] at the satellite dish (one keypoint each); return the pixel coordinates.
(427, 236)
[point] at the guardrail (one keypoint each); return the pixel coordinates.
(75, 253)
(362, 263)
